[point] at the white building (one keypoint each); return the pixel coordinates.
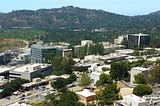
(86, 43)
(131, 100)
(153, 99)
(3, 80)
(119, 39)
(19, 104)
(28, 71)
(153, 59)
(4, 70)
(96, 71)
(135, 71)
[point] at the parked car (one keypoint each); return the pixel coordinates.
(21, 90)
(16, 93)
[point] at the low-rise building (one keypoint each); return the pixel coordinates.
(95, 72)
(30, 70)
(135, 71)
(86, 96)
(3, 80)
(19, 104)
(4, 70)
(131, 100)
(153, 99)
(120, 39)
(86, 43)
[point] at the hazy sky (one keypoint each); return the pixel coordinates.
(125, 7)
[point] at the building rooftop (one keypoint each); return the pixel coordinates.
(34, 83)
(47, 46)
(125, 51)
(85, 93)
(139, 68)
(133, 98)
(153, 59)
(5, 69)
(31, 67)
(140, 34)
(19, 104)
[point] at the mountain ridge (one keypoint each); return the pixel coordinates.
(75, 18)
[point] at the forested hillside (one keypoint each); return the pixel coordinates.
(62, 24)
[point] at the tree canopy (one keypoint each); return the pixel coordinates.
(104, 79)
(62, 65)
(108, 95)
(119, 70)
(12, 86)
(66, 99)
(142, 90)
(140, 78)
(85, 80)
(61, 83)
(154, 74)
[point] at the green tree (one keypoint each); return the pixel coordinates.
(138, 63)
(108, 95)
(62, 65)
(142, 90)
(154, 75)
(67, 99)
(81, 69)
(119, 70)
(150, 52)
(71, 78)
(68, 66)
(105, 69)
(82, 52)
(85, 80)
(147, 64)
(12, 86)
(140, 78)
(59, 83)
(104, 79)
(97, 49)
(57, 63)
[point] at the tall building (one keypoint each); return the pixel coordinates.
(138, 40)
(5, 58)
(39, 51)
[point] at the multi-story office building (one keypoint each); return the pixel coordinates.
(30, 70)
(40, 51)
(5, 58)
(140, 39)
